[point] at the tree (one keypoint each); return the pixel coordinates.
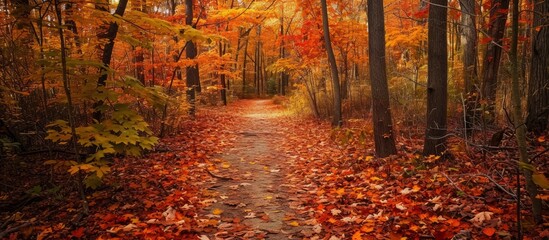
(492, 58)
(109, 35)
(469, 43)
(383, 125)
(538, 86)
(337, 120)
(520, 130)
(437, 79)
(193, 81)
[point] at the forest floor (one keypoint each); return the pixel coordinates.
(253, 171)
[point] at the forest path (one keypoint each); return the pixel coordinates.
(251, 198)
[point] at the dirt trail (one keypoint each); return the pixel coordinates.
(249, 186)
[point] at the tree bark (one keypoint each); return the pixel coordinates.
(139, 57)
(538, 86)
(437, 79)
(244, 63)
(106, 56)
(492, 58)
(192, 80)
(469, 43)
(222, 78)
(383, 124)
(520, 131)
(337, 120)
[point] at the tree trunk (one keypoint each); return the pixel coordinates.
(517, 115)
(244, 63)
(383, 124)
(345, 82)
(139, 57)
(492, 58)
(337, 121)
(192, 75)
(538, 86)
(109, 35)
(469, 43)
(437, 79)
(222, 80)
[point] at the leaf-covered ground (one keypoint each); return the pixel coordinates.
(250, 171)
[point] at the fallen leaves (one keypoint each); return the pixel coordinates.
(334, 189)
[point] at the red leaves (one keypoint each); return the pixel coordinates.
(78, 233)
(489, 231)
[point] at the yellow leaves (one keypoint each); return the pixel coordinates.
(374, 178)
(217, 211)
(540, 180)
(406, 38)
(225, 165)
(294, 224)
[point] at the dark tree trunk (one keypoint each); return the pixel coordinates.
(337, 121)
(520, 130)
(538, 87)
(222, 79)
(492, 58)
(383, 124)
(106, 56)
(257, 63)
(139, 57)
(345, 82)
(244, 63)
(192, 75)
(469, 42)
(283, 75)
(437, 79)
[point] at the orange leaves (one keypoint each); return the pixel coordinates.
(489, 231)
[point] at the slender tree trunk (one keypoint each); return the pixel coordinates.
(337, 120)
(244, 63)
(538, 86)
(66, 87)
(383, 124)
(110, 36)
(469, 43)
(191, 52)
(492, 58)
(222, 80)
(517, 115)
(437, 79)
(139, 55)
(345, 82)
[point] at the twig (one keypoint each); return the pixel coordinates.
(14, 229)
(458, 188)
(539, 154)
(220, 177)
(497, 184)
